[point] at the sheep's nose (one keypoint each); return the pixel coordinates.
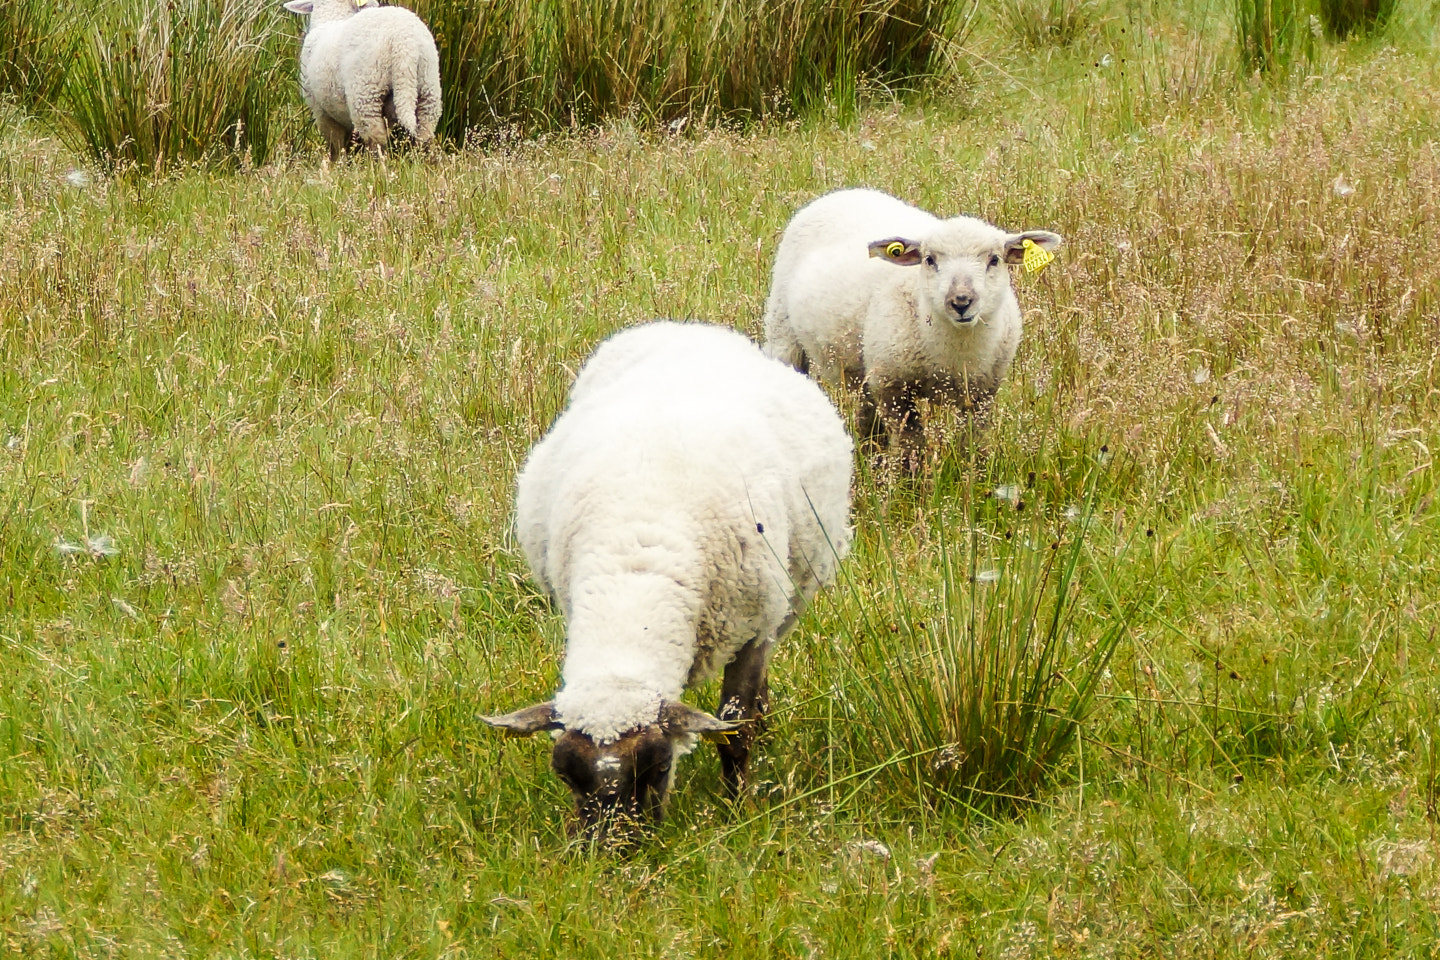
(961, 304)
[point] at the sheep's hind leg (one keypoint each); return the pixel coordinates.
(336, 136)
(373, 133)
(371, 127)
(744, 696)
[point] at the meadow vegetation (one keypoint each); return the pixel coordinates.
(1154, 672)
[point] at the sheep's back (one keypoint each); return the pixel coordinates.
(365, 49)
(685, 448)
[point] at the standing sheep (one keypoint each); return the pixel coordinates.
(873, 293)
(362, 65)
(681, 512)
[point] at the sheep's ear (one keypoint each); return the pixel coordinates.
(301, 7)
(897, 250)
(681, 718)
(522, 723)
(1044, 239)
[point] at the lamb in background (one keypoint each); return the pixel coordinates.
(880, 296)
(362, 65)
(681, 512)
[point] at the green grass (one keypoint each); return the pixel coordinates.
(970, 666)
(566, 63)
(1273, 35)
(1037, 23)
(35, 50)
(295, 401)
(184, 81)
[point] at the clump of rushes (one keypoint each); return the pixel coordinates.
(1039, 23)
(1273, 35)
(155, 82)
(974, 693)
(36, 44)
(566, 62)
(1344, 18)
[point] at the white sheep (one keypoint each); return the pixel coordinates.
(681, 512)
(880, 296)
(362, 65)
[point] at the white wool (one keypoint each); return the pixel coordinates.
(358, 59)
(690, 498)
(857, 319)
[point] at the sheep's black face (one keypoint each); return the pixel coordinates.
(619, 785)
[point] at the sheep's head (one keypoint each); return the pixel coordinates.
(963, 278)
(622, 782)
(329, 9)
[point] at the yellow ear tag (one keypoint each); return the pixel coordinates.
(1036, 257)
(895, 249)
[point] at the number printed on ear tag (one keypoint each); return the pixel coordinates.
(1036, 257)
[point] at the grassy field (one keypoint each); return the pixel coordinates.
(258, 435)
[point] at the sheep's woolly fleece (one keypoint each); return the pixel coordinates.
(690, 498)
(850, 316)
(354, 57)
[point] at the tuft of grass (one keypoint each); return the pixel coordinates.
(1273, 35)
(1041, 23)
(154, 83)
(981, 683)
(36, 45)
(1344, 18)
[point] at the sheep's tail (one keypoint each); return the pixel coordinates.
(404, 92)
(415, 90)
(427, 106)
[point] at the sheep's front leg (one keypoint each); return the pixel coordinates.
(744, 696)
(869, 427)
(869, 424)
(895, 405)
(373, 134)
(979, 411)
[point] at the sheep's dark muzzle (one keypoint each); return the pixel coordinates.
(619, 788)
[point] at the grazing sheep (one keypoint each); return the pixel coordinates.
(681, 512)
(362, 65)
(873, 293)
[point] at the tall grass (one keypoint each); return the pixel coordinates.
(1037, 23)
(1343, 18)
(36, 45)
(159, 81)
(152, 82)
(567, 62)
(1273, 35)
(156, 82)
(976, 689)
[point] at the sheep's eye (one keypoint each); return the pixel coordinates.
(994, 260)
(929, 259)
